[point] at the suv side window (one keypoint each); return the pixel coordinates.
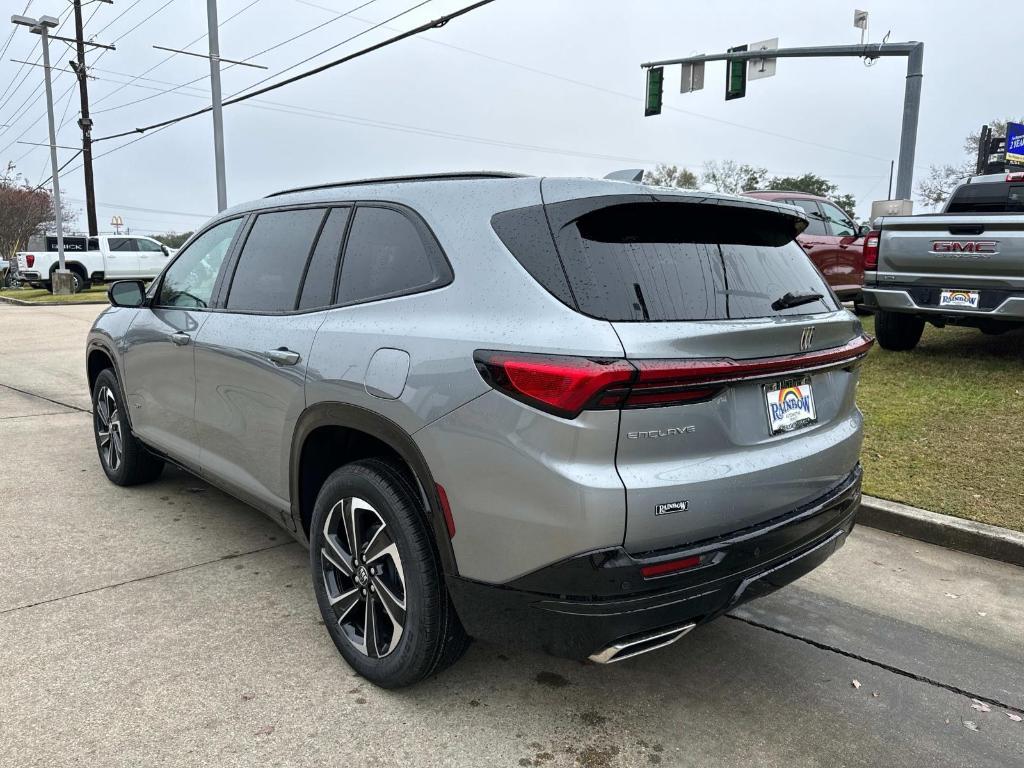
(387, 255)
(838, 221)
(189, 281)
(318, 286)
(270, 266)
(817, 221)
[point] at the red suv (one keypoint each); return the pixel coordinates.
(833, 240)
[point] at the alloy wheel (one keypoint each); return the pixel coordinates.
(364, 578)
(108, 429)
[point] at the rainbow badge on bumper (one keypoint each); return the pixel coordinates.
(790, 405)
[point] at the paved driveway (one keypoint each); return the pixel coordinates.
(171, 625)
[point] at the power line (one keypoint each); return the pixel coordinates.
(260, 53)
(169, 57)
(439, 22)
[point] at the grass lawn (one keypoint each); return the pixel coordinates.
(95, 295)
(944, 424)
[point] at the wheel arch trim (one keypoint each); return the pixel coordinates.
(335, 414)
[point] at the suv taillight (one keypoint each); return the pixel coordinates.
(871, 249)
(1016, 176)
(566, 386)
(30, 260)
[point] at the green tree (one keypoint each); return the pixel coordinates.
(671, 176)
(813, 184)
(173, 239)
(731, 177)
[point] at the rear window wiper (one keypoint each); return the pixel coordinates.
(795, 300)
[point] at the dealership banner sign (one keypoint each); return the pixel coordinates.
(1015, 143)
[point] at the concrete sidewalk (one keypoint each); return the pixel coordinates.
(171, 625)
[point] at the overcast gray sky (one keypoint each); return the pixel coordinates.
(548, 87)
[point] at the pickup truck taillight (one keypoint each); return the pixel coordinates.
(871, 249)
(30, 260)
(1016, 176)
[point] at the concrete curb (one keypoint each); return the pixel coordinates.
(22, 303)
(980, 539)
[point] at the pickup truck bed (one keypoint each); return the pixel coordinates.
(954, 268)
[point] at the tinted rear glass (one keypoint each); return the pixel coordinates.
(655, 261)
(272, 260)
(988, 197)
(387, 254)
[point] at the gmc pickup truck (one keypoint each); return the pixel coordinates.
(964, 266)
(95, 259)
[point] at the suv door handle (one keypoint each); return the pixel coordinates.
(282, 356)
(181, 339)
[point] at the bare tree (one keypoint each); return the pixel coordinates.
(671, 176)
(935, 189)
(729, 176)
(938, 185)
(24, 211)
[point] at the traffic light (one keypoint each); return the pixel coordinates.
(655, 84)
(736, 76)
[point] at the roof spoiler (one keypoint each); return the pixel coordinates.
(630, 174)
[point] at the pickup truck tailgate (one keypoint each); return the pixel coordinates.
(977, 251)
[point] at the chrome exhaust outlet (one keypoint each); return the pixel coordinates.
(636, 645)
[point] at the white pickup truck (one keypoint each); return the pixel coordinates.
(95, 259)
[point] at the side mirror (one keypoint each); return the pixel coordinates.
(863, 229)
(165, 249)
(127, 293)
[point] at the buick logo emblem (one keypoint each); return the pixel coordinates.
(806, 337)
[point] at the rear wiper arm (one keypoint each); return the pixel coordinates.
(795, 300)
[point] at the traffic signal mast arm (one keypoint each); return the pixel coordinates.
(914, 52)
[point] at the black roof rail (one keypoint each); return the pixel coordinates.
(456, 176)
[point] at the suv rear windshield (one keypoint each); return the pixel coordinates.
(987, 197)
(641, 259)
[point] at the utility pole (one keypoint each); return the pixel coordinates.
(215, 95)
(218, 108)
(913, 51)
(85, 122)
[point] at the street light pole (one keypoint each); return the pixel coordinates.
(218, 110)
(85, 122)
(40, 26)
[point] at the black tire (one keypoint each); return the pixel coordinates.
(376, 500)
(133, 464)
(898, 332)
(81, 279)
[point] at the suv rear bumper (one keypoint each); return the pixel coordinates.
(577, 607)
(1004, 305)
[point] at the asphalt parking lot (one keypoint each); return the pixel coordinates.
(171, 625)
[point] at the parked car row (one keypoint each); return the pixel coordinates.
(577, 414)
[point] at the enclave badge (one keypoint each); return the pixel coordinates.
(670, 507)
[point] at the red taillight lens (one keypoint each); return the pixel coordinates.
(670, 566)
(563, 386)
(871, 249)
(1017, 176)
(30, 260)
(566, 386)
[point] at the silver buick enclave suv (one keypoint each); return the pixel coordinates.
(585, 415)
